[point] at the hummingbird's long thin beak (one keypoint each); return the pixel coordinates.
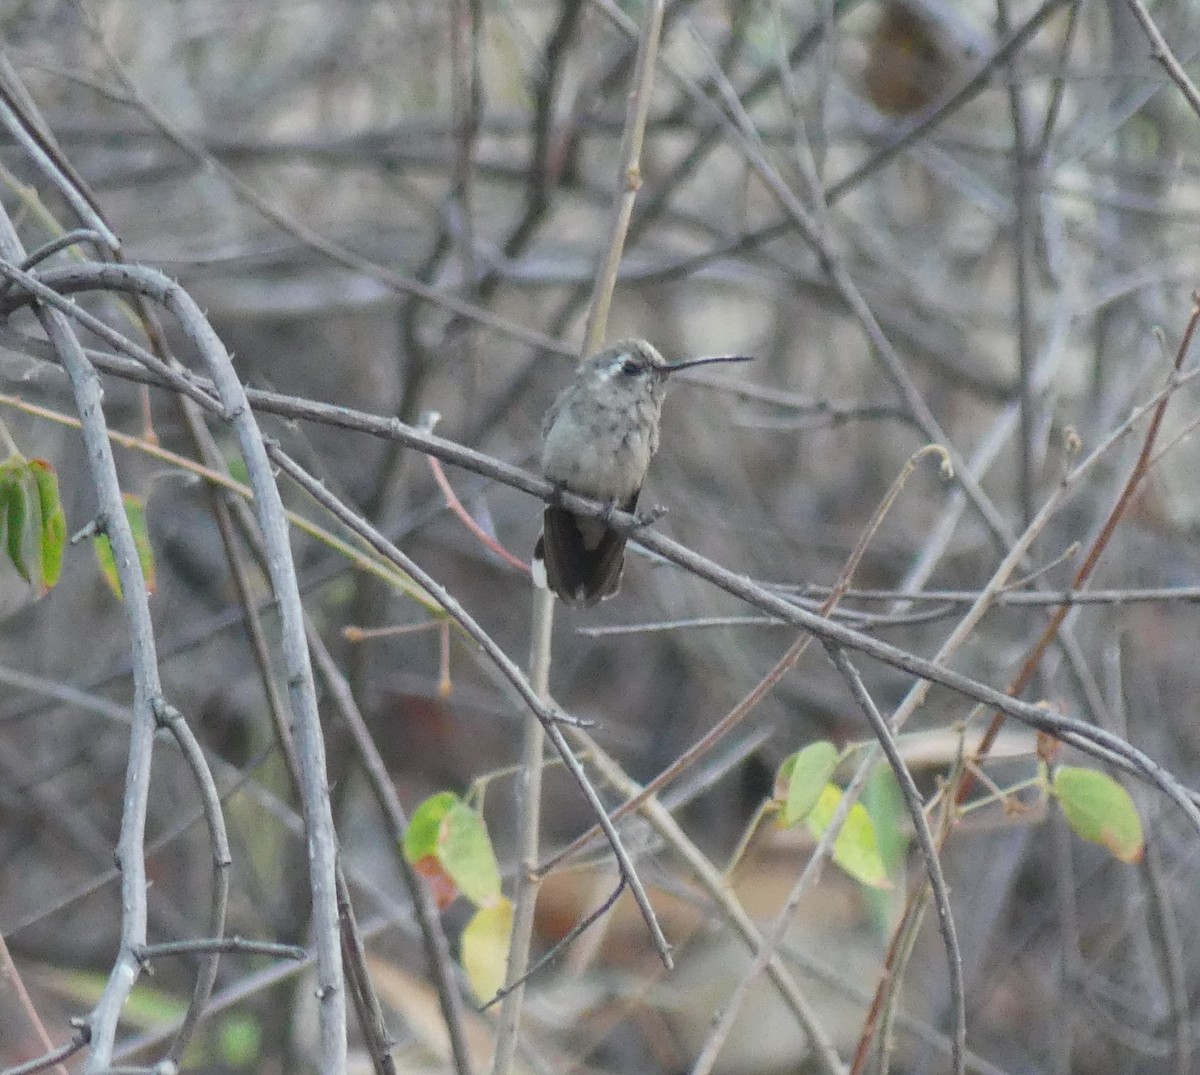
(671, 367)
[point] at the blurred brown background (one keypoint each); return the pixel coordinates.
(472, 145)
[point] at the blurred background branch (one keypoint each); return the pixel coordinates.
(929, 221)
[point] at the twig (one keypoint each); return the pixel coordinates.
(528, 880)
(220, 479)
(233, 945)
(1058, 87)
(749, 702)
(629, 175)
(32, 145)
(378, 1039)
(929, 851)
(437, 947)
(770, 947)
(11, 981)
(309, 237)
(715, 883)
(52, 1059)
(773, 939)
(456, 506)
(146, 686)
(1095, 550)
(742, 131)
(1161, 52)
(214, 818)
(1073, 731)
(1024, 217)
(550, 719)
(310, 745)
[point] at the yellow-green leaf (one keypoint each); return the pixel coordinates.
(466, 851)
(855, 850)
(135, 512)
(801, 778)
(483, 948)
(53, 536)
(1098, 809)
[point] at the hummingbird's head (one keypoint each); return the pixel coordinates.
(635, 367)
(625, 372)
(626, 359)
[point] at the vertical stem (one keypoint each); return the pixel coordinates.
(1024, 220)
(629, 175)
(528, 879)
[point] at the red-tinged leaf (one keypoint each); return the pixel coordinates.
(801, 779)
(441, 884)
(483, 949)
(446, 831)
(1098, 809)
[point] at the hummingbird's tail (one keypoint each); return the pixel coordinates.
(579, 558)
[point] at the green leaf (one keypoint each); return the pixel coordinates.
(135, 512)
(13, 466)
(240, 1037)
(483, 948)
(107, 562)
(1098, 809)
(855, 850)
(16, 513)
(465, 850)
(421, 836)
(884, 802)
(53, 537)
(801, 778)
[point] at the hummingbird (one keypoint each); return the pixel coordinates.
(599, 435)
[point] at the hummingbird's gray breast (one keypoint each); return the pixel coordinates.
(601, 448)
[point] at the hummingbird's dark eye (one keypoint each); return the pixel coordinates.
(630, 366)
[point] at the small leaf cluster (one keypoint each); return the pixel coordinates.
(32, 520)
(804, 793)
(448, 844)
(1096, 807)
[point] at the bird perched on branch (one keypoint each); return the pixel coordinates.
(600, 434)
